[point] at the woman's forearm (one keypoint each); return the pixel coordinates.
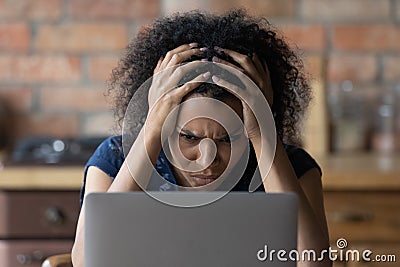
(282, 178)
(133, 166)
(138, 166)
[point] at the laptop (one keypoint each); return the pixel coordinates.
(239, 229)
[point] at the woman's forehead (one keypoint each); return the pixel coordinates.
(225, 112)
(199, 104)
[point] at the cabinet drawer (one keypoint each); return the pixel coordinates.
(363, 216)
(382, 255)
(15, 253)
(38, 214)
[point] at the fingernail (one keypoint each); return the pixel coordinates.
(216, 59)
(203, 49)
(217, 48)
(193, 45)
(207, 75)
(215, 78)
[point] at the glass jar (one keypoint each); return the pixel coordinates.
(348, 115)
(384, 127)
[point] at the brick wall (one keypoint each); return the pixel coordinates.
(55, 55)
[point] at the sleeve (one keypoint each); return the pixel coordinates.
(108, 157)
(301, 160)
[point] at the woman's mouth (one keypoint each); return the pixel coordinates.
(203, 179)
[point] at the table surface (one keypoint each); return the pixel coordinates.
(340, 172)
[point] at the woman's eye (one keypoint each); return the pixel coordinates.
(230, 139)
(188, 137)
(226, 139)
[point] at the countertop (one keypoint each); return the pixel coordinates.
(41, 178)
(340, 172)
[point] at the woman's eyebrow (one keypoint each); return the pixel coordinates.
(188, 132)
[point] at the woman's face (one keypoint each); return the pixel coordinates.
(207, 130)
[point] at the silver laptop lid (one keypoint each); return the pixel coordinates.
(239, 229)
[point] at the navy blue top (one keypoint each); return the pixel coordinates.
(109, 157)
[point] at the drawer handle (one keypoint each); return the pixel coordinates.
(27, 259)
(350, 217)
(54, 216)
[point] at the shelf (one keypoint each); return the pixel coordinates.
(360, 172)
(31, 178)
(340, 172)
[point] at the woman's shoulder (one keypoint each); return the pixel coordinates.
(112, 143)
(108, 156)
(301, 160)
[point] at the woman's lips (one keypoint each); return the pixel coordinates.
(204, 179)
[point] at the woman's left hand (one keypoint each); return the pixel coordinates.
(259, 74)
(252, 67)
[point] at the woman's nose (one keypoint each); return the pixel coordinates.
(207, 152)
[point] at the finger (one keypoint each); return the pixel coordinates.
(180, 92)
(247, 81)
(234, 89)
(174, 51)
(243, 60)
(262, 67)
(167, 79)
(268, 93)
(246, 63)
(184, 55)
(157, 68)
(184, 69)
(257, 63)
(219, 60)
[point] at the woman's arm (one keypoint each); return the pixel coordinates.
(312, 227)
(138, 166)
(99, 181)
(96, 181)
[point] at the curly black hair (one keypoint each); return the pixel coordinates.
(235, 30)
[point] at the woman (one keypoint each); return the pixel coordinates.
(234, 41)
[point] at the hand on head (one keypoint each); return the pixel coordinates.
(170, 71)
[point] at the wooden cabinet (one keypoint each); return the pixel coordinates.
(39, 208)
(37, 218)
(362, 203)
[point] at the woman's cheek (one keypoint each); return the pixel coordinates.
(238, 148)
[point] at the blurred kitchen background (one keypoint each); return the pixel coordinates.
(55, 59)
(56, 55)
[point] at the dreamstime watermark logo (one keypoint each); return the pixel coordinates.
(238, 84)
(309, 255)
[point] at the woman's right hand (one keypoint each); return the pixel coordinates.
(164, 93)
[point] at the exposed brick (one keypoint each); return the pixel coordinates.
(354, 10)
(115, 9)
(19, 99)
(39, 68)
(267, 8)
(397, 9)
(352, 67)
(57, 125)
(315, 67)
(73, 99)
(306, 37)
(99, 124)
(172, 6)
(37, 10)
(391, 68)
(100, 67)
(367, 37)
(79, 37)
(14, 37)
